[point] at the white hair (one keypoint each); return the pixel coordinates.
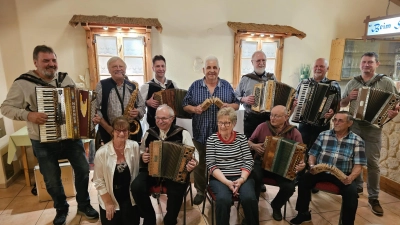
(165, 106)
(114, 59)
(210, 58)
(259, 51)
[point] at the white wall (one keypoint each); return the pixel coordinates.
(191, 29)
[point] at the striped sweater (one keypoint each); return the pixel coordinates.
(232, 158)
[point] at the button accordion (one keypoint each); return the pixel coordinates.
(281, 156)
(169, 159)
(314, 100)
(372, 105)
(270, 94)
(69, 113)
(174, 99)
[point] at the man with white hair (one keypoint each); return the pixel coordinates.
(204, 121)
(113, 96)
(164, 130)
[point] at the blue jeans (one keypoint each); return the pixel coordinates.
(223, 195)
(48, 155)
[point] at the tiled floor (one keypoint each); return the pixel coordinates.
(19, 206)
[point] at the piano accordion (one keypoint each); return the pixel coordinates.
(314, 100)
(270, 94)
(69, 113)
(282, 155)
(174, 99)
(372, 105)
(169, 159)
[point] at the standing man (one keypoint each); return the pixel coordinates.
(21, 105)
(310, 132)
(113, 97)
(342, 149)
(368, 132)
(204, 122)
(158, 84)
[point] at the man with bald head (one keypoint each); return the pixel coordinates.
(277, 126)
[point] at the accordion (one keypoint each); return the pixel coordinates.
(372, 105)
(314, 100)
(282, 155)
(169, 159)
(270, 94)
(174, 99)
(69, 113)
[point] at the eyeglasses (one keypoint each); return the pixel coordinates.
(334, 120)
(119, 131)
(276, 116)
(226, 124)
(163, 118)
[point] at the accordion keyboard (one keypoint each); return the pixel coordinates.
(301, 98)
(49, 131)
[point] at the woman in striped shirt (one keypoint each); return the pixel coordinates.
(229, 163)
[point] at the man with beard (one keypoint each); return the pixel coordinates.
(204, 122)
(368, 132)
(244, 92)
(159, 83)
(113, 96)
(20, 104)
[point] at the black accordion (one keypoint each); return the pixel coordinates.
(314, 100)
(270, 94)
(169, 159)
(372, 105)
(174, 99)
(69, 113)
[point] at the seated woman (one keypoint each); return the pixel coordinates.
(116, 164)
(229, 163)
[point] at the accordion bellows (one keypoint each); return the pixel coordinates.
(69, 112)
(282, 155)
(372, 105)
(270, 94)
(169, 159)
(174, 99)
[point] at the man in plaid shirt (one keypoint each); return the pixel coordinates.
(343, 149)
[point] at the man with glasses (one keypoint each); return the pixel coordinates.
(371, 134)
(342, 149)
(164, 131)
(277, 126)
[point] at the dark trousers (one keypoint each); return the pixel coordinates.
(286, 187)
(175, 194)
(348, 192)
(252, 120)
(127, 215)
(310, 133)
(223, 201)
(199, 172)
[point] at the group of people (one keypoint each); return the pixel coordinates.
(228, 161)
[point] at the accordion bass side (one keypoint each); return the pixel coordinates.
(372, 105)
(270, 94)
(282, 155)
(314, 100)
(69, 113)
(169, 159)
(174, 99)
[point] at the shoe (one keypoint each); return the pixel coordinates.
(89, 212)
(276, 214)
(198, 199)
(375, 207)
(360, 191)
(61, 216)
(301, 218)
(314, 190)
(263, 188)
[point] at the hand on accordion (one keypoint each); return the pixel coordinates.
(393, 113)
(353, 94)
(299, 167)
(96, 119)
(146, 156)
(259, 149)
(197, 109)
(249, 100)
(37, 117)
(152, 102)
(191, 165)
(329, 114)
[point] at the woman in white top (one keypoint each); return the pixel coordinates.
(115, 166)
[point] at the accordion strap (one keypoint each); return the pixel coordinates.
(373, 81)
(153, 83)
(154, 133)
(287, 129)
(255, 77)
(36, 80)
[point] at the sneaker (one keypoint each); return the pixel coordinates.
(61, 216)
(360, 191)
(89, 212)
(375, 207)
(263, 188)
(276, 214)
(314, 190)
(198, 199)
(301, 218)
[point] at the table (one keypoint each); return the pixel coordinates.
(20, 138)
